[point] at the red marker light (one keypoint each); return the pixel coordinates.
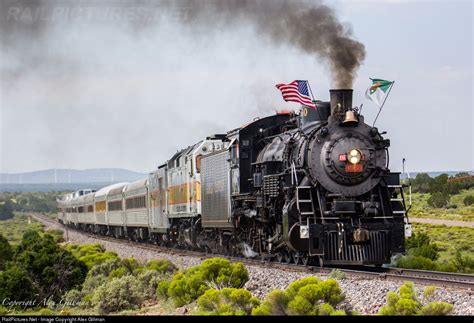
(283, 112)
(342, 157)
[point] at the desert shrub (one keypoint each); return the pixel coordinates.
(427, 251)
(73, 298)
(105, 268)
(406, 303)
(429, 292)
(6, 252)
(93, 282)
(438, 199)
(91, 254)
(128, 266)
(468, 200)
(188, 285)
(307, 296)
(227, 301)
(162, 265)
(46, 312)
(162, 288)
(436, 308)
(416, 262)
(337, 274)
(275, 303)
(149, 280)
(421, 183)
(16, 284)
(447, 267)
(6, 210)
(118, 294)
(421, 253)
(52, 270)
(57, 234)
(463, 263)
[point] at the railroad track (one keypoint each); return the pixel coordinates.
(441, 279)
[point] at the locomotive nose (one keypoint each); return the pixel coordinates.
(343, 156)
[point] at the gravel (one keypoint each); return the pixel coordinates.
(363, 295)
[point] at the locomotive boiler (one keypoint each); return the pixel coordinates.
(307, 187)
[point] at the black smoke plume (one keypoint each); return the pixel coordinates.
(309, 26)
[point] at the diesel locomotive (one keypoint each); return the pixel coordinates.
(312, 187)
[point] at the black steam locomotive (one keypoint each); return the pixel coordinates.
(312, 187)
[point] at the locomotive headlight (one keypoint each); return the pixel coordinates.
(354, 156)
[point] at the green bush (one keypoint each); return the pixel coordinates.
(463, 263)
(307, 296)
(337, 274)
(276, 303)
(74, 298)
(57, 234)
(6, 210)
(6, 252)
(416, 262)
(188, 285)
(52, 270)
(118, 294)
(91, 254)
(46, 312)
(468, 200)
(93, 282)
(128, 266)
(227, 301)
(162, 266)
(105, 268)
(406, 303)
(436, 308)
(438, 199)
(421, 253)
(149, 280)
(15, 284)
(163, 287)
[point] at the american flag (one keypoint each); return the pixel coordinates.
(296, 91)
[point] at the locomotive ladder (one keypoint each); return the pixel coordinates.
(401, 199)
(304, 197)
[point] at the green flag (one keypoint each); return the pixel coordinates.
(378, 90)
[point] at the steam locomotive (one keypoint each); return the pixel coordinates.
(312, 187)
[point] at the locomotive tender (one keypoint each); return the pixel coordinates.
(312, 187)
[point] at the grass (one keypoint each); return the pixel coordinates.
(456, 210)
(448, 239)
(13, 229)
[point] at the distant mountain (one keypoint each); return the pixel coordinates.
(68, 176)
(434, 174)
(49, 187)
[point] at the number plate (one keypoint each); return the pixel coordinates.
(354, 168)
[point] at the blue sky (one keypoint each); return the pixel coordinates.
(109, 97)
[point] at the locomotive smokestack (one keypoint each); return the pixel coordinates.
(341, 100)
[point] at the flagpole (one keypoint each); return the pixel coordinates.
(314, 101)
(385, 99)
(310, 91)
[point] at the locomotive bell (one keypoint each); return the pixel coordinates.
(350, 119)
